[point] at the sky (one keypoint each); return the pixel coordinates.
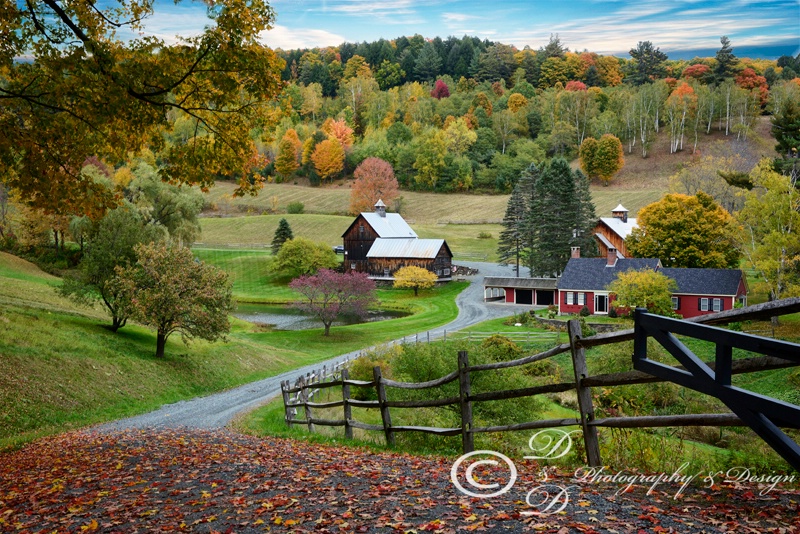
(681, 28)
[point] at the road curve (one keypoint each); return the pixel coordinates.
(217, 410)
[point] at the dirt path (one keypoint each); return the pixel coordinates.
(217, 410)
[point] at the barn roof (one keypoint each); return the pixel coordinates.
(705, 281)
(622, 229)
(407, 248)
(392, 226)
(593, 274)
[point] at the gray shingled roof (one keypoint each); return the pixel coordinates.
(592, 274)
(705, 281)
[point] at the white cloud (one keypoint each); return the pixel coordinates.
(283, 37)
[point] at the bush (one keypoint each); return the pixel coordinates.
(585, 312)
(612, 313)
(552, 311)
(484, 235)
(500, 348)
(295, 207)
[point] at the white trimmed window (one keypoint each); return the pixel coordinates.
(703, 304)
(570, 298)
(717, 303)
(676, 303)
(581, 299)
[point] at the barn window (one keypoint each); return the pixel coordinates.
(717, 305)
(447, 272)
(581, 299)
(704, 304)
(570, 298)
(360, 229)
(353, 266)
(676, 303)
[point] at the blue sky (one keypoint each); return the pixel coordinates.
(681, 28)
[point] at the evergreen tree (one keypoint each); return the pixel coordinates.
(282, 234)
(725, 61)
(428, 64)
(648, 63)
(512, 243)
(560, 216)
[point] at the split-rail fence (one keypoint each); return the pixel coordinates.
(766, 416)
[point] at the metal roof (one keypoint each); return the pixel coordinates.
(608, 244)
(392, 226)
(520, 283)
(405, 248)
(622, 229)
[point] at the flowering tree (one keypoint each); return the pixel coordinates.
(171, 292)
(329, 294)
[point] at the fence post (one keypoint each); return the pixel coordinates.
(286, 410)
(305, 397)
(386, 417)
(348, 410)
(584, 395)
(467, 437)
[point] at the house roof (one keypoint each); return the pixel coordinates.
(393, 226)
(520, 283)
(622, 229)
(705, 281)
(407, 248)
(593, 274)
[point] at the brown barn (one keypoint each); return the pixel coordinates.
(611, 232)
(379, 243)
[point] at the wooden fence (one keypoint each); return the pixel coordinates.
(582, 384)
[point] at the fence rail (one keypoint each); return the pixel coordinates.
(775, 355)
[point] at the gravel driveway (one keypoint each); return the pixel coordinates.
(217, 410)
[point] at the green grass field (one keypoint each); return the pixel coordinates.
(62, 368)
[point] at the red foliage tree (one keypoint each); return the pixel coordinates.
(748, 79)
(329, 294)
(575, 85)
(440, 90)
(698, 71)
(374, 180)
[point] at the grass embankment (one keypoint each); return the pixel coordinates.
(61, 368)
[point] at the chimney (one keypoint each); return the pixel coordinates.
(612, 257)
(380, 208)
(576, 252)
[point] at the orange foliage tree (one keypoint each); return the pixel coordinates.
(339, 130)
(328, 158)
(374, 181)
(601, 158)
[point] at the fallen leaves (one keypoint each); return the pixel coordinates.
(218, 481)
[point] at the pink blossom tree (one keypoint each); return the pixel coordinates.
(329, 294)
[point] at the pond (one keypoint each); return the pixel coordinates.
(290, 318)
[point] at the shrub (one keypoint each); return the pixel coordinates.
(295, 207)
(612, 313)
(484, 235)
(585, 312)
(500, 348)
(552, 311)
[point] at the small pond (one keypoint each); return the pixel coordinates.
(290, 318)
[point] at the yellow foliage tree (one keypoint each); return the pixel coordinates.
(413, 277)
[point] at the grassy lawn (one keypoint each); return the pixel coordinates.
(61, 368)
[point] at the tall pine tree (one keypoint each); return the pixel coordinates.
(725, 61)
(512, 241)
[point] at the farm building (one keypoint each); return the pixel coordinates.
(704, 291)
(611, 232)
(380, 243)
(532, 291)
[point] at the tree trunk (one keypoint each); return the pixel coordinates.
(416, 290)
(327, 328)
(161, 343)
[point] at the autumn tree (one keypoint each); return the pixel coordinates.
(121, 94)
(413, 277)
(109, 244)
(328, 158)
(374, 180)
(685, 231)
(329, 294)
(339, 130)
(440, 90)
(770, 238)
(283, 233)
(289, 151)
(602, 158)
(170, 291)
(644, 289)
(301, 256)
